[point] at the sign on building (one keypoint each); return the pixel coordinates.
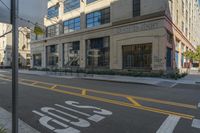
(33, 11)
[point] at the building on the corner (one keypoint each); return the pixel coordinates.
(150, 35)
(6, 46)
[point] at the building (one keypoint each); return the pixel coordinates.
(150, 35)
(6, 46)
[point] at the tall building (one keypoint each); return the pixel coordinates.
(150, 35)
(6, 46)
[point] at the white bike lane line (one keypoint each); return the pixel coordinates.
(169, 124)
(49, 115)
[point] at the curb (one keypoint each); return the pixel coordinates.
(114, 81)
(6, 120)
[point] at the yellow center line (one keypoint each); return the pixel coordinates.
(84, 92)
(123, 95)
(53, 87)
(34, 83)
(133, 101)
(155, 110)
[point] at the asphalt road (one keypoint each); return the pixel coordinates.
(84, 106)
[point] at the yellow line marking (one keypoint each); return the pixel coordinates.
(84, 92)
(186, 116)
(122, 95)
(53, 87)
(34, 83)
(133, 101)
(155, 110)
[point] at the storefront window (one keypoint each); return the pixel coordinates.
(37, 60)
(138, 56)
(52, 55)
(98, 52)
(72, 54)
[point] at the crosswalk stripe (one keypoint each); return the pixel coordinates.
(169, 124)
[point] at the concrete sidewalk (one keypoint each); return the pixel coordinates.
(6, 120)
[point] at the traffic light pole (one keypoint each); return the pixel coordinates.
(14, 22)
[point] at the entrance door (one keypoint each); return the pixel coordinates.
(169, 58)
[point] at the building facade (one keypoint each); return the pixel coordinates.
(149, 35)
(6, 46)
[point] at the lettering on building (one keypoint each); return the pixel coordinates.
(138, 27)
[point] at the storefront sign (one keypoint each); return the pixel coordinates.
(139, 27)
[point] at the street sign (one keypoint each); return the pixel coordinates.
(30, 12)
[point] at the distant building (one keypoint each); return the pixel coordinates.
(6, 46)
(149, 35)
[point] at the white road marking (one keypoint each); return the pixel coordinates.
(199, 105)
(196, 123)
(44, 120)
(38, 113)
(96, 109)
(79, 112)
(169, 124)
(80, 123)
(51, 115)
(95, 118)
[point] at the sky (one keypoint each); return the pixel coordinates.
(32, 10)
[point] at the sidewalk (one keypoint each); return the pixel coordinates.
(192, 78)
(6, 120)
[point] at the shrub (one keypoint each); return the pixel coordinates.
(2, 130)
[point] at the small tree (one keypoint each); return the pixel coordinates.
(193, 55)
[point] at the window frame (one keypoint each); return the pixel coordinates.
(56, 14)
(98, 17)
(74, 25)
(71, 6)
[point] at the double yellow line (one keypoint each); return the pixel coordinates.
(119, 95)
(133, 104)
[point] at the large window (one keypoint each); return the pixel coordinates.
(37, 59)
(72, 25)
(98, 52)
(90, 1)
(138, 56)
(53, 11)
(136, 8)
(72, 54)
(98, 17)
(52, 55)
(53, 30)
(70, 5)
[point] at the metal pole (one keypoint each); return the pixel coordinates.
(14, 15)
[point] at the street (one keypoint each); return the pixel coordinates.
(60, 105)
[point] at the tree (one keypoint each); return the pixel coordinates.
(193, 55)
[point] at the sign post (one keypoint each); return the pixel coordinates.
(20, 13)
(14, 22)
